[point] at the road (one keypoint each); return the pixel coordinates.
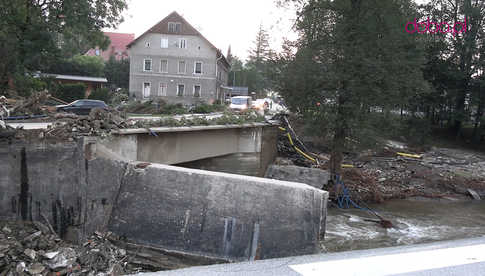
(462, 257)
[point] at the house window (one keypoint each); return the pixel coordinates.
(146, 89)
(180, 90)
(198, 68)
(162, 90)
(182, 43)
(181, 67)
(164, 43)
(174, 27)
(197, 91)
(147, 65)
(164, 66)
(147, 44)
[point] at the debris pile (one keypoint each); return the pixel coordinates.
(31, 248)
(100, 122)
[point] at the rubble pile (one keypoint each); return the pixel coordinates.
(31, 248)
(32, 105)
(99, 123)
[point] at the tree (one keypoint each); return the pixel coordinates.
(79, 65)
(455, 59)
(36, 33)
(118, 72)
(257, 64)
(353, 58)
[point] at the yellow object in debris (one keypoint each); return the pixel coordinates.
(409, 155)
(305, 155)
(289, 138)
(347, 166)
(282, 129)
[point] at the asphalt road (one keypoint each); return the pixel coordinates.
(462, 257)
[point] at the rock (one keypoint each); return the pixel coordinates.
(36, 268)
(30, 253)
(50, 255)
(6, 230)
(33, 236)
(64, 258)
(20, 267)
(41, 227)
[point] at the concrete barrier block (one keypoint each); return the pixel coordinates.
(220, 215)
(313, 177)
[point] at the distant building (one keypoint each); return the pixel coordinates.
(117, 48)
(91, 83)
(174, 62)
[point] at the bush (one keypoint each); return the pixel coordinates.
(173, 109)
(207, 108)
(101, 94)
(70, 92)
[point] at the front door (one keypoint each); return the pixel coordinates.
(146, 90)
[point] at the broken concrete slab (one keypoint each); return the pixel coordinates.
(317, 178)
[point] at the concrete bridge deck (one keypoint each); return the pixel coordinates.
(461, 257)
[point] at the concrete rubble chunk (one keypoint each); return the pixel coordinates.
(35, 268)
(65, 257)
(30, 253)
(20, 267)
(474, 194)
(50, 255)
(33, 236)
(6, 230)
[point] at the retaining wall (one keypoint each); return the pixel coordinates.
(192, 211)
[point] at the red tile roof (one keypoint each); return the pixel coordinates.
(118, 46)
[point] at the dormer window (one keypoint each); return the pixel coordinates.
(174, 27)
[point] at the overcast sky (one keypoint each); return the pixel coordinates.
(223, 22)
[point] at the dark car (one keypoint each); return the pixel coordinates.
(81, 107)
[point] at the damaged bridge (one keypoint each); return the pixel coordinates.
(81, 187)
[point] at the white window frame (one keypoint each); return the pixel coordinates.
(201, 68)
(160, 92)
(162, 44)
(184, 44)
(178, 87)
(151, 65)
(161, 71)
(200, 91)
(185, 67)
(143, 89)
(147, 44)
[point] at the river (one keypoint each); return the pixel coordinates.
(416, 221)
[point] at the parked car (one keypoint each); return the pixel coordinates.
(81, 107)
(241, 103)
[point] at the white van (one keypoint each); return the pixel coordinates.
(241, 103)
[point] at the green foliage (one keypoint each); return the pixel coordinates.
(207, 108)
(101, 94)
(70, 92)
(79, 65)
(352, 59)
(226, 119)
(117, 73)
(173, 109)
(36, 34)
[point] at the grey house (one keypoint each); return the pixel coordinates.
(173, 61)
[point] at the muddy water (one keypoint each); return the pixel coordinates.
(416, 221)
